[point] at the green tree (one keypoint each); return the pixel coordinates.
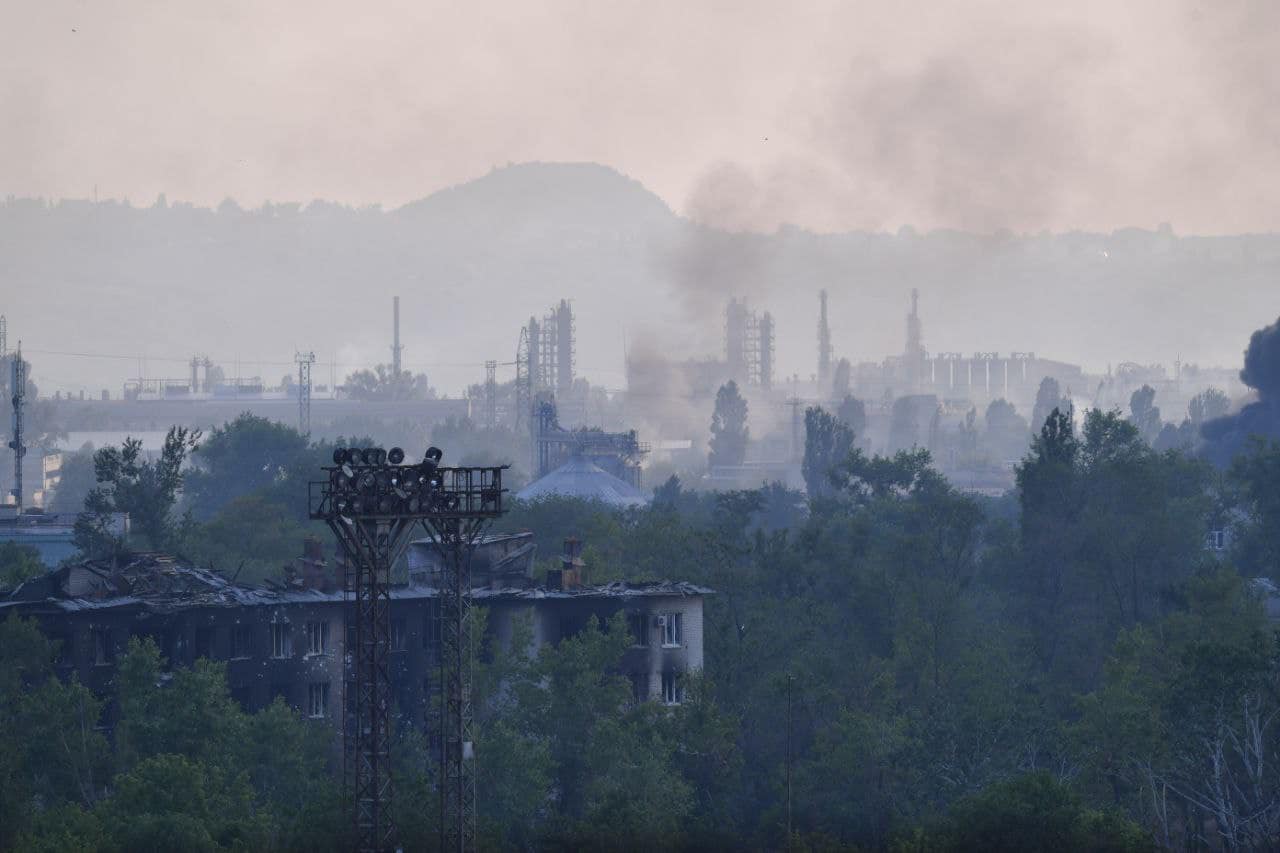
(1256, 477)
(75, 481)
(1048, 397)
(1144, 414)
(18, 563)
(729, 432)
(1004, 431)
(247, 455)
(251, 537)
(144, 489)
(827, 441)
(382, 384)
(853, 414)
(1206, 406)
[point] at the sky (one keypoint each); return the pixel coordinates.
(746, 115)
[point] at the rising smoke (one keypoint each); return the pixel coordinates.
(1228, 436)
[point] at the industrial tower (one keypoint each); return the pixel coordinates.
(766, 350)
(824, 342)
(396, 349)
(18, 384)
(4, 336)
(304, 360)
(915, 354)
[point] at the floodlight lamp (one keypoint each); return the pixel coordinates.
(384, 504)
(395, 456)
(339, 456)
(434, 454)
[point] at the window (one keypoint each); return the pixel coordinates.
(317, 639)
(672, 629)
(397, 635)
(638, 625)
(281, 641)
(1217, 540)
(242, 641)
(672, 689)
(318, 700)
(204, 641)
(640, 687)
(103, 651)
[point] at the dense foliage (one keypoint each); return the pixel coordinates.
(890, 664)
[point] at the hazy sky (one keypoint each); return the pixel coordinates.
(830, 115)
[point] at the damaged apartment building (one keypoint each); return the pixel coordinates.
(288, 639)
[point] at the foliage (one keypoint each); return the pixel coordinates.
(248, 454)
(146, 490)
(1144, 413)
(18, 563)
(729, 432)
(383, 384)
(827, 441)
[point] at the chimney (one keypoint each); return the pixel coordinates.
(572, 568)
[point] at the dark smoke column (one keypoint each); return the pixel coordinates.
(1226, 437)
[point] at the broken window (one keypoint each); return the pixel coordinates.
(242, 641)
(103, 650)
(204, 642)
(281, 641)
(672, 689)
(318, 700)
(317, 639)
(672, 629)
(397, 635)
(638, 625)
(640, 687)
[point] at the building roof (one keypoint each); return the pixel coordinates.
(162, 584)
(581, 478)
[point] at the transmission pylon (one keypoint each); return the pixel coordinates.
(4, 336)
(373, 504)
(304, 360)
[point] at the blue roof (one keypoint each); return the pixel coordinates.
(581, 478)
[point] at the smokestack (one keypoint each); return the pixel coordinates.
(395, 345)
(766, 350)
(824, 342)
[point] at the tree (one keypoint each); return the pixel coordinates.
(729, 432)
(840, 381)
(251, 537)
(144, 489)
(249, 454)
(1004, 431)
(1144, 414)
(1048, 397)
(18, 563)
(1206, 406)
(382, 384)
(827, 441)
(1256, 476)
(75, 480)
(853, 413)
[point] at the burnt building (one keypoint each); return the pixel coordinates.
(288, 640)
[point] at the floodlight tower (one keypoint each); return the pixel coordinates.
(304, 360)
(18, 385)
(373, 503)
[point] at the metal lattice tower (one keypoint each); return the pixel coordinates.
(491, 393)
(18, 384)
(4, 336)
(373, 504)
(524, 378)
(304, 360)
(766, 350)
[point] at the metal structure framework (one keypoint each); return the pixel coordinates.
(491, 393)
(4, 336)
(304, 360)
(524, 379)
(397, 351)
(18, 385)
(619, 453)
(373, 504)
(742, 344)
(824, 341)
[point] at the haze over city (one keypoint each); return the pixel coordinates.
(820, 425)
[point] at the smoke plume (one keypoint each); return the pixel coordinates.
(1228, 436)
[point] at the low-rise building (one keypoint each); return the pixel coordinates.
(289, 639)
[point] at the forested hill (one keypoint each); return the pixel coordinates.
(472, 261)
